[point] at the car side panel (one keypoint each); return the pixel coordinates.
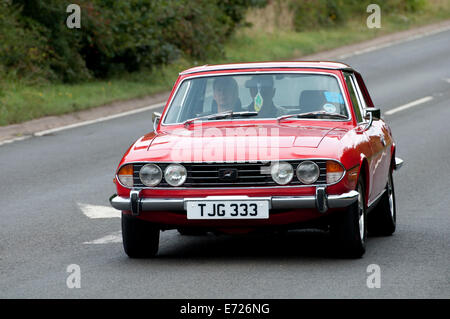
(376, 160)
(360, 146)
(381, 143)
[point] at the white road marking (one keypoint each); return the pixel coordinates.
(101, 119)
(96, 211)
(388, 44)
(408, 105)
(79, 124)
(21, 138)
(113, 238)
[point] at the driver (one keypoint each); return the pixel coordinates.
(226, 95)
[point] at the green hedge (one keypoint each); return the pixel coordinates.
(23, 45)
(115, 36)
(313, 14)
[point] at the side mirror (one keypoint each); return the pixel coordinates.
(372, 114)
(156, 116)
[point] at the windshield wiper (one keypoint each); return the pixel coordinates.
(218, 116)
(208, 117)
(244, 114)
(312, 115)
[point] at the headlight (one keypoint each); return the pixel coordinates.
(308, 172)
(150, 175)
(334, 172)
(175, 174)
(282, 173)
(125, 175)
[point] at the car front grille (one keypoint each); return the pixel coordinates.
(246, 174)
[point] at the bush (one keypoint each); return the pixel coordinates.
(402, 6)
(115, 36)
(23, 48)
(62, 44)
(234, 12)
(313, 14)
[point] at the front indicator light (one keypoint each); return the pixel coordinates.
(335, 171)
(125, 175)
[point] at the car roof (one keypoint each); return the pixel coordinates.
(269, 65)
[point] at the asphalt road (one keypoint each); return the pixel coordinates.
(43, 230)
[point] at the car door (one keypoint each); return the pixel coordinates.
(380, 141)
(367, 139)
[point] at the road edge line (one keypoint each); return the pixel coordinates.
(393, 42)
(101, 119)
(409, 105)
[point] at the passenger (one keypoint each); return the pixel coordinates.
(262, 92)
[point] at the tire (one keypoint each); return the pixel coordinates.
(191, 232)
(349, 230)
(382, 220)
(140, 238)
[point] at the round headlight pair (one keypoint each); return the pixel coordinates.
(307, 172)
(174, 174)
(282, 173)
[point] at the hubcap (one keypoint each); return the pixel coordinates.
(361, 214)
(391, 198)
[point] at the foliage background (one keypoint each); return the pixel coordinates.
(309, 14)
(134, 48)
(116, 36)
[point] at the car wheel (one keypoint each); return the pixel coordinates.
(140, 238)
(349, 230)
(191, 232)
(382, 220)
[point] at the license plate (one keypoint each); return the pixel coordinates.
(228, 209)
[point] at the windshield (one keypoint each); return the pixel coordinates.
(266, 96)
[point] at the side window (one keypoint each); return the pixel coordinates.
(174, 112)
(363, 90)
(362, 102)
(354, 97)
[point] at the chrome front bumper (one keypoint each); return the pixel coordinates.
(321, 201)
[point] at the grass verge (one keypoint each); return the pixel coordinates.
(21, 101)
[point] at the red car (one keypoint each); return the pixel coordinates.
(273, 145)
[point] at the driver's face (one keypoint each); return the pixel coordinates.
(224, 95)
